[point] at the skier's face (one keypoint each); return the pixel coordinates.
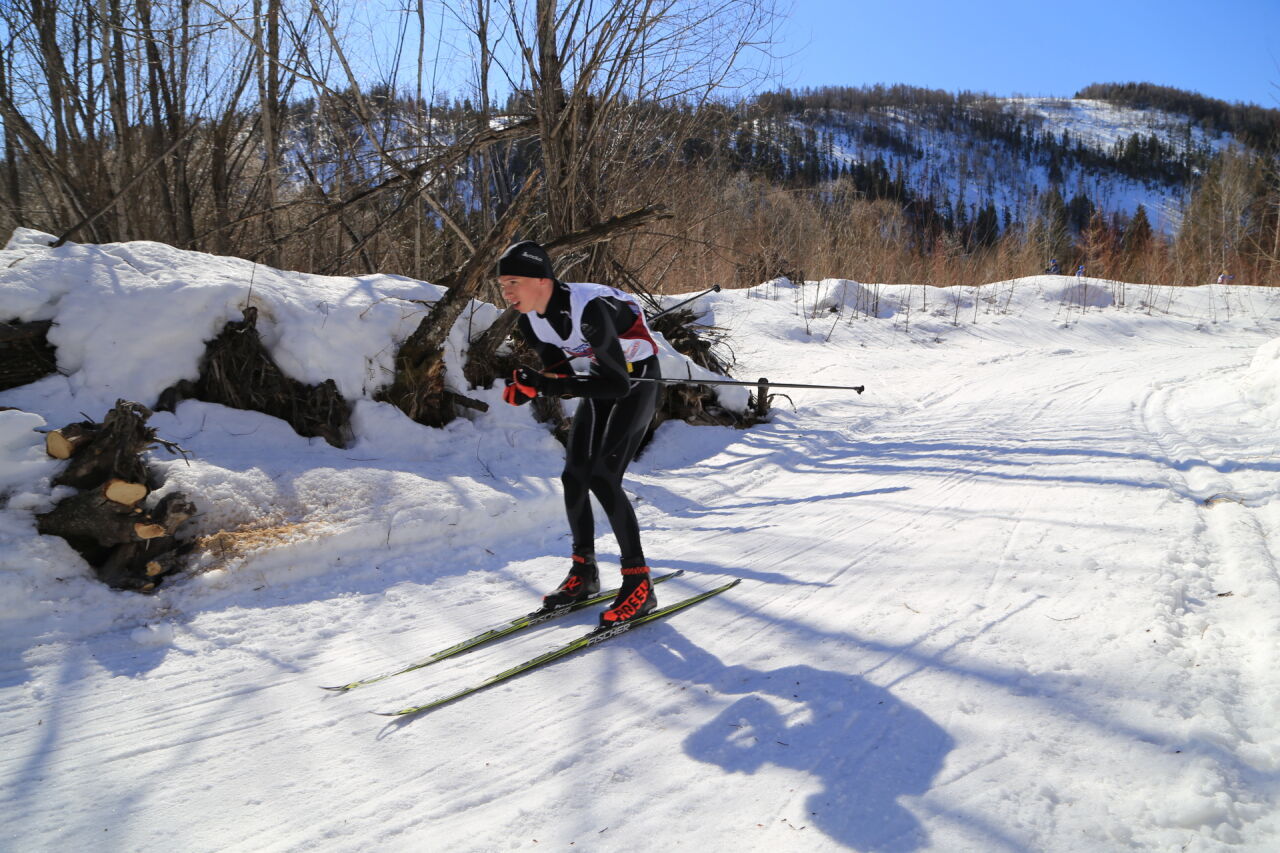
(525, 294)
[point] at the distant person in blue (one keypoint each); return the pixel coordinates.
(1224, 278)
(1054, 268)
(1080, 271)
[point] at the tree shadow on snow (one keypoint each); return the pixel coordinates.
(867, 748)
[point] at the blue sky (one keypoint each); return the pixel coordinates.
(1229, 49)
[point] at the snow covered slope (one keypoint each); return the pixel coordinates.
(1020, 595)
(952, 160)
(1101, 124)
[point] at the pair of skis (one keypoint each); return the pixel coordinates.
(591, 638)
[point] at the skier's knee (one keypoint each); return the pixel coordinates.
(574, 477)
(605, 487)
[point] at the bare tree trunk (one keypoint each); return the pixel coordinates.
(12, 182)
(113, 54)
(485, 113)
(165, 84)
(226, 157)
(69, 194)
(267, 64)
(555, 122)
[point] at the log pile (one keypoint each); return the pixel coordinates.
(238, 371)
(128, 546)
(25, 353)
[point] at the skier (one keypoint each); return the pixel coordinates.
(1080, 271)
(562, 322)
(1054, 268)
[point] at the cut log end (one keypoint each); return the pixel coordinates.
(123, 492)
(162, 564)
(63, 443)
(57, 446)
(149, 531)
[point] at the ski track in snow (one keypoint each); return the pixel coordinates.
(1018, 596)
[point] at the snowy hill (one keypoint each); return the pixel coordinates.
(1019, 595)
(1101, 125)
(1008, 151)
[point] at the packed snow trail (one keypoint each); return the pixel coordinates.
(985, 606)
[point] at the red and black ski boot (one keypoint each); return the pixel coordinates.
(582, 582)
(634, 599)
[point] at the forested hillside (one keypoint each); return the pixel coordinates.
(1154, 188)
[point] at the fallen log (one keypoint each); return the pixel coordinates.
(91, 516)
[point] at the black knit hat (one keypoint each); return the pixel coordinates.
(527, 259)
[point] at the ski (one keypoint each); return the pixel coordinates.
(592, 638)
(506, 629)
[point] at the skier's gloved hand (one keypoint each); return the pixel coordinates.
(529, 381)
(525, 384)
(514, 395)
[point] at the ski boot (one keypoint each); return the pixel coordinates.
(634, 599)
(582, 582)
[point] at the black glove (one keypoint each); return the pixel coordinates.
(525, 384)
(529, 381)
(513, 395)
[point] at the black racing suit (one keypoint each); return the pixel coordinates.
(610, 422)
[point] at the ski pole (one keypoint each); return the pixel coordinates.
(714, 289)
(762, 383)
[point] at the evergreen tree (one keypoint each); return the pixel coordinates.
(1138, 235)
(1079, 212)
(1055, 169)
(986, 229)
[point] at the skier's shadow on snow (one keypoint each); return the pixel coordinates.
(867, 747)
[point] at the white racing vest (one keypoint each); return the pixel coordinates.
(637, 343)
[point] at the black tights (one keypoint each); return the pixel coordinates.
(604, 438)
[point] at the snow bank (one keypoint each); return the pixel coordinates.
(1262, 381)
(849, 295)
(22, 453)
(131, 319)
(1084, 292)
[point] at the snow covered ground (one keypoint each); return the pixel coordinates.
(1020, 595)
